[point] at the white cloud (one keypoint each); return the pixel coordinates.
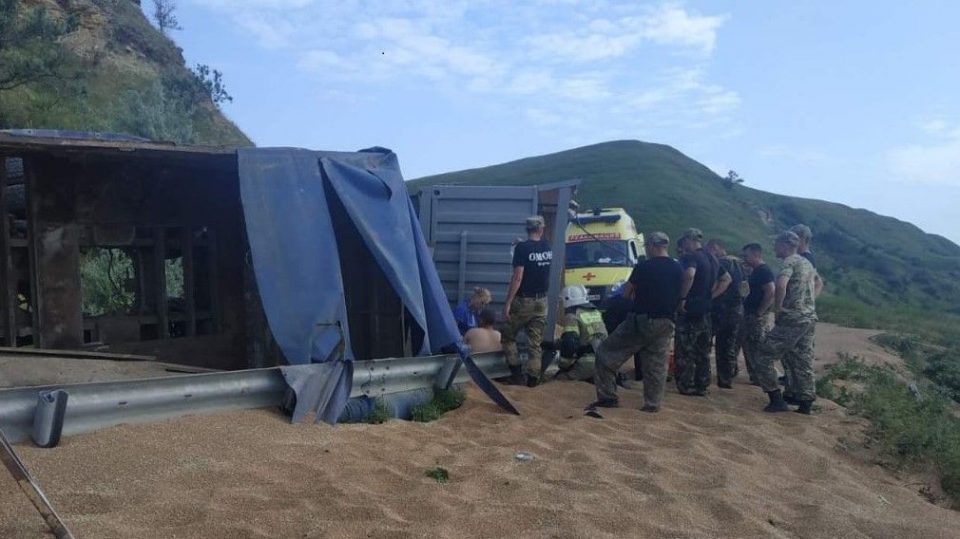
(666, 25)
(573, 62)
(936, 162)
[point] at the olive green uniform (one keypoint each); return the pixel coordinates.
(792, 337)
(530, 315)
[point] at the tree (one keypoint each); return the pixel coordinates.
(731, 179)
(31, 49)
(211, 81)
(164, 17)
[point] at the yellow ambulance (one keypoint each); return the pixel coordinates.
(602, 247)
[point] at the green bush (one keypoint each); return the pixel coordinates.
(425, 413)
(943, 368)
(438, 474)
(380, 414)
(913, 425)
(442, 402)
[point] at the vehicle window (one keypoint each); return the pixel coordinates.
(594, 253)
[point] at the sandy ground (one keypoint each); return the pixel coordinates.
(703, 467)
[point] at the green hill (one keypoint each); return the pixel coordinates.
(99, 65)
(881, 272)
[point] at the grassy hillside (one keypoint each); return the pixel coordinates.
(119, 74)
(881, 272)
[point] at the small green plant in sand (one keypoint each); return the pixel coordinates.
(438, 474)
(442, 402)
(380, 413)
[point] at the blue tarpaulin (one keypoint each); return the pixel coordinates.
(295, 253)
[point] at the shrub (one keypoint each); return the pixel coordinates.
(911, 424)
(380, 414)
(442, 402)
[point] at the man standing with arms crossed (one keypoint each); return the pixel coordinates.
(792, 337)
(526, 305)
(654, 288)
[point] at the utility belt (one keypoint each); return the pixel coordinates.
(532, 296)
(639, 318)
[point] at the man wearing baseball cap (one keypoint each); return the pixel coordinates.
(791, 338)
(526, 304)
(654, 288)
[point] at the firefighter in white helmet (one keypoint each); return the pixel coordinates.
(583, 331)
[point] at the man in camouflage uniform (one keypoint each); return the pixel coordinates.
(727, 316)
(792, 336)
(583, 331)
(654, 288)
(757, 314)
(526, 303)
(704, 280)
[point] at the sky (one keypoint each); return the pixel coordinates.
(855, 102)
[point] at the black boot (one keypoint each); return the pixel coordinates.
(516, 376)
(777, 404)
(790, 398)
(806, 407)
(533, 381)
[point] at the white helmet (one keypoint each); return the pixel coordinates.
(575, 295)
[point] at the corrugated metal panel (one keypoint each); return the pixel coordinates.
(471, 230)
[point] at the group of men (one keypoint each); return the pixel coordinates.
(701, 297)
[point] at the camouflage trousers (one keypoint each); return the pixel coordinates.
(530, 315)
(752, 333)
(580, 370)
(692, 356)
(726, 331)
(793, 344)
(649, 338)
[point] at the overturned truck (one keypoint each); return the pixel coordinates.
(304, 262)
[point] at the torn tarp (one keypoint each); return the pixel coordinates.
(293, 243)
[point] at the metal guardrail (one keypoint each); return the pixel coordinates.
(93, 406)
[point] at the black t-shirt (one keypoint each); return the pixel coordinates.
(535, 257)
(657, 282)
(812, 259)
(699, 298)
(760, 277)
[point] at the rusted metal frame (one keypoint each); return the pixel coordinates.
(32, 207)
(31, 489)
(160, 280)
(8, 299)
(189, 279)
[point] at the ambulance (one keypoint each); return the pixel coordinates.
(602, 247)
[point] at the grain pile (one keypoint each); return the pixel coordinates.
(704, 467)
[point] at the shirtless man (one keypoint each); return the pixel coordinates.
(484, 338)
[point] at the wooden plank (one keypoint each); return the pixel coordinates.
(8, 299)
(73, 354)
(189, 280)
(32, 490)
(160, 280)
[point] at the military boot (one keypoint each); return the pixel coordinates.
(533, 381)
(806, 407)
(517, 377)
(777, 404)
